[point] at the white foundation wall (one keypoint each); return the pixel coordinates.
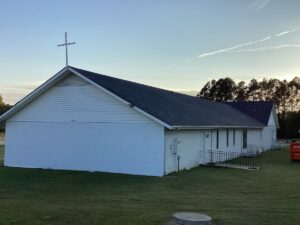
(76, 126)
(193, 146)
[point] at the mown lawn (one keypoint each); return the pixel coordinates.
(267, 197)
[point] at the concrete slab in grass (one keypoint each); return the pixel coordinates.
(186, 218)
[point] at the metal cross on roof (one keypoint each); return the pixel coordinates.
(66, 45)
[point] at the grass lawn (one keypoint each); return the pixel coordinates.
(267, 197)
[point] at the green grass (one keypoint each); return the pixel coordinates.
(270, 196)
(1, 155)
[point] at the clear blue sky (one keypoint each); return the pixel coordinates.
(175, 44)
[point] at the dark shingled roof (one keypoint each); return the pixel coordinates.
(259, 110)
(173, 108)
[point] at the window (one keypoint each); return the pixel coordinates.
(217, 139)
(227, 137)
(233, 137)
(244, 138)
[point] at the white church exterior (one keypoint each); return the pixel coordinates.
(79, 120)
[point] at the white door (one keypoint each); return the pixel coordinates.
(207, 146)
(207, 140)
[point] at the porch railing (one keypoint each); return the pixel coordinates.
(242, 160)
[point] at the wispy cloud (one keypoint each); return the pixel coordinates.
(236, 47)
(25, 86)
(203, 55)
(12, 93)
(285, 32)
(188, 60)
(269, 48)
(258, 4)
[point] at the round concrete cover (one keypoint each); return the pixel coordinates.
(185, 218)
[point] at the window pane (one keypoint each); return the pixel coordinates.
(217, 144)
(233, 136)
(245, 139)
(227, 137)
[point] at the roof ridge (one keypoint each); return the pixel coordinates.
(145, 85)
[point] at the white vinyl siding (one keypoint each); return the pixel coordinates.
(76, 100)
(116, 148)
(76, 126)
(190, 145)
(193, 146)
(269, 133)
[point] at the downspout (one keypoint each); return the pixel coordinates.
(166, 147)
(177, 151)
(241, 132)
(178, 156)
(178, 164)
(211, 145)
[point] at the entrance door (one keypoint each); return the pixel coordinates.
(207, 140)
(207, 146)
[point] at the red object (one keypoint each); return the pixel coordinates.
(295, 151)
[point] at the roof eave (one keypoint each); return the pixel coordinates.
(214, 127)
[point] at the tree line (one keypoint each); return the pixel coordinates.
(3, 108)
(285, 95)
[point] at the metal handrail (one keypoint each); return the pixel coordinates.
(245, 160)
